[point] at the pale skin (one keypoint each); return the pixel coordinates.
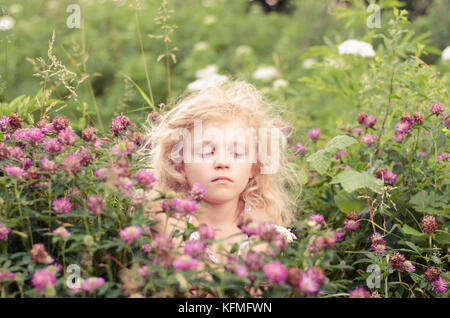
(222, 197)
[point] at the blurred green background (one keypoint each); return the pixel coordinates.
(238, 36)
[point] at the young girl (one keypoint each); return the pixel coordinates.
(225, 139)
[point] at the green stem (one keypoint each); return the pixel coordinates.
(90, 87)
(49, 210)
(99, 223)
(85, 218)
(388, 106)
(168, 72)
(143, 54)
(109, 270)
(16, 191)
(20, 289)
(386, 288)
(6, 68)
(64, 255)
(435, 175)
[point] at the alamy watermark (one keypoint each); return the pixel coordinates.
(374, 279)
(374, 20)
(74, 19)
(73, 280)
(228, 145)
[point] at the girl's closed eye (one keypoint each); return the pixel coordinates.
(210, 152)
(207, 152)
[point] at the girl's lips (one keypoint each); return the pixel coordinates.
(222, 180)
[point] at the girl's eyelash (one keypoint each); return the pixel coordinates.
(209, 152)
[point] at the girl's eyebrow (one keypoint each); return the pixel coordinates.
(208, 140)
(204, 141)
(237, 142)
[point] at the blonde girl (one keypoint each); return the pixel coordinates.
(227, 139)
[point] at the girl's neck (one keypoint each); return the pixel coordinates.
(221, 215)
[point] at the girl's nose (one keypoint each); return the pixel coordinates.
(221, 160)
(221, 165)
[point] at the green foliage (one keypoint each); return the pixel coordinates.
(353, 180)
(320, 88)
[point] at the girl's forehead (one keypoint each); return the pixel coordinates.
(225, 130)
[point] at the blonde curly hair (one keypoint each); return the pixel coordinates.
(234, 100)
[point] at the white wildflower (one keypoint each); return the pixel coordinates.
(207, 77)
(206, 82)
(265, 73)
(243, 50)
(210, 19)
(207, 71)
(356, 47)
(201, 46)
(279, 83)
(6, 23)
(335, 63)
(308, 63)
(446, 54)
(284, 232)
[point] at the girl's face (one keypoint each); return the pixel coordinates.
(223, 151)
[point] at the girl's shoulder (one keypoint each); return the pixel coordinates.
(261, 215)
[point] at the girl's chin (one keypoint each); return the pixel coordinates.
(218, 199)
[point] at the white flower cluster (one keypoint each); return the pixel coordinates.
(201, 46)
(280, 83)
(210, 19)
(207, 77)
(242, 50)
(446, 54)
(308, 63)
(284, 232)
(356, 47)
(6, 23)
(265, 73)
